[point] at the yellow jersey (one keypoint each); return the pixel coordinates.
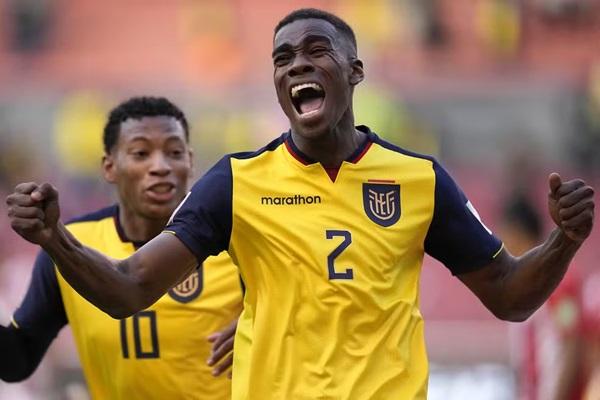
(158, 353)
(331, 266)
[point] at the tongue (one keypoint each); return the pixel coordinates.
(311, 105)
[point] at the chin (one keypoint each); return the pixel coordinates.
(158, 211)
(310, 131)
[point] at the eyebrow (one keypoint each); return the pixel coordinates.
(143, 138)
(138, 138)
(307, 40)
(281, 49)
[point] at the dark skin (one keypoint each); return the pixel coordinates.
(567, 367)
(512, 288)
(222, 349)
(310, 50)
(150, 165)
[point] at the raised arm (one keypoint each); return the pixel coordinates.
(514, 287)
(118, 287)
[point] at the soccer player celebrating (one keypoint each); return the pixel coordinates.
(329, 225)
(161, 351)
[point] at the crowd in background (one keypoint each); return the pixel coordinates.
(502, 91)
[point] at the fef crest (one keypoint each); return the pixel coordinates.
(190, 288)
(382, 203)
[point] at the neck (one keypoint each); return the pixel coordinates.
(333, 147)
(138, 228)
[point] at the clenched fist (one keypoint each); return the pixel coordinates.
(33, 211)
(571, 206)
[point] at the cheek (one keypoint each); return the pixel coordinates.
(335, 72)
(131, 180)
(183, 170)
(280, 91)
(130, 190)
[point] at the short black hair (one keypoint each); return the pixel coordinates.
(137, 108)
(307, 13)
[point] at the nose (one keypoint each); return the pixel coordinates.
(160, 165)
(301, 65)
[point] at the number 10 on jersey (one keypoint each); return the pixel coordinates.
(140, 353)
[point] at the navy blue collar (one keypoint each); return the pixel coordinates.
(353, 158)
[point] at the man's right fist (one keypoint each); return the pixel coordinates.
(33, 211)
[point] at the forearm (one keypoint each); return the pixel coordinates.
(106, 283)
(531, 278)
(120, 288)
(512, 288)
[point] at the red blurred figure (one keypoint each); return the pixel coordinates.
(561, 343)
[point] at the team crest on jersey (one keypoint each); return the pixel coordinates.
(190, 288)
(382, 203)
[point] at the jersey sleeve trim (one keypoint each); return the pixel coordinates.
(499, 251)
(457, 237)
(203, 220)
(14, 323)
(188, 240)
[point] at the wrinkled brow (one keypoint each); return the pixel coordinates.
(307, 40)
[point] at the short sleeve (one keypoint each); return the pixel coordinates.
(42, 309)
(456, 235)
(203, 219)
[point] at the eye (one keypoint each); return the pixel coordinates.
(139, 154)
(281, 60)
(177, 153)
(318, 51)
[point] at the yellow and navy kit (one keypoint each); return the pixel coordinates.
(158, 353)
(331, 266)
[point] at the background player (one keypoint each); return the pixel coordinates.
(550, 359)
(328, 224)
(160, 352)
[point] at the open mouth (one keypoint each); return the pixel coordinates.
(161, 192)
(307, 97)
(161, 188)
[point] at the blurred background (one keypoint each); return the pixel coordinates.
(503, 92)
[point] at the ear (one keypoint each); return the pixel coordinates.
(108, 168)
(358, 74)
(191, 157)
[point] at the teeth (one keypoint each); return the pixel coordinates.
(296, 89)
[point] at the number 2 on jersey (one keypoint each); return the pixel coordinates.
(333, 274)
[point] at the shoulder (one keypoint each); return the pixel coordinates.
(389, 155)
(393, 148)
(271, 146)
(95, 216)
(443, 179)
(222, 172)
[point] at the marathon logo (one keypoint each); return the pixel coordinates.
(294, 200)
